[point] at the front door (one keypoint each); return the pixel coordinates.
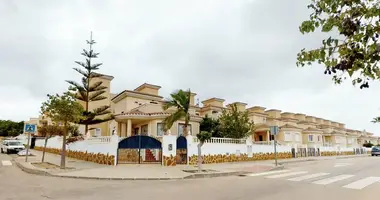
(260, 138)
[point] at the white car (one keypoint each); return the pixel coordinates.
(10, 146)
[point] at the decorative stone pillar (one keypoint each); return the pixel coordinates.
(169, 150)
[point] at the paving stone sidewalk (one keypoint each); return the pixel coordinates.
(89, 170)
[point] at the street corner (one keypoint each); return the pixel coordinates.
(30, 168)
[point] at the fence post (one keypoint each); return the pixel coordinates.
(115, 145)
(190, 142)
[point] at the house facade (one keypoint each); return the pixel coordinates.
(139, 111)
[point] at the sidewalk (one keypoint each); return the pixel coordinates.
(89, 170)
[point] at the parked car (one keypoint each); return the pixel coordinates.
(11, 146)
(375, 151)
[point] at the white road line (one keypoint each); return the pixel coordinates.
(6, 162)
(287, 174)
(333, 179)
(342, 164)
(301, 178)
(360, 184)
(268, 173)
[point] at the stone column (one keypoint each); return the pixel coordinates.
(129, 128)
(123, 129)
(323, 140)
(268, 137)
(118, 128)
(149, 129)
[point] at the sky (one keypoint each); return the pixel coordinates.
(236, 50)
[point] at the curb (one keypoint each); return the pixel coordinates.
(192, 176)
(213, 175)
(32, 171)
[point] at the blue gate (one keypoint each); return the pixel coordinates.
(181, 157)
(139, 149)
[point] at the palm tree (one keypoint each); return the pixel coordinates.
(181, 101)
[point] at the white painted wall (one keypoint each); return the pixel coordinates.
(337, 149)
(103, 145)
(230, 148)
(96, 147)
(53, 142)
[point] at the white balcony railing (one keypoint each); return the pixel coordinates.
(101, 139)
(223, 140)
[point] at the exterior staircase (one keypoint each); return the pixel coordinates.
(149, 156)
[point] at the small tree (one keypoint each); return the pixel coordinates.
(48, 131)
(202, 137)
(235, 124)
(90, 91)
(181, 101)
(63, 109)
(210, 125)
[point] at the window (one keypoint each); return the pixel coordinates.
(160, 129)
(144, 129)
(297, 137)
(271, 137)
(180, 129)
(310, 138)
(319, 138)
(136, 131)
(98, 132)
(287, 137)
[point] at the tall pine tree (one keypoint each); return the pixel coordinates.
(91, 90)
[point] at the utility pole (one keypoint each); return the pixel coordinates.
(275, 149)
(27, 147)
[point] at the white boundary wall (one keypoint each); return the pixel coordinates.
(103, 145)
(227, 146)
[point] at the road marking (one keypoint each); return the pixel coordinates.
(360, 184)
(342, 164)
(6, 162)
(268, 173)
(301, 178)
(287, 174)
(333, 179)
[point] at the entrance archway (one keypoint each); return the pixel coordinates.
(139, 149)
(181, 157)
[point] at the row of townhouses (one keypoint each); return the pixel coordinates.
(139, 111)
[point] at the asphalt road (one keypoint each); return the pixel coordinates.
(348, 179)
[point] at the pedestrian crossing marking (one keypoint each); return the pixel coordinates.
(322, 178)
(360, 184)
(333, 179)
(6, 163)
(310, 176)
(287, 174)
(342, 164)
(268, 173)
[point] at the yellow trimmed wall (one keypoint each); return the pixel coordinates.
(91, 157)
